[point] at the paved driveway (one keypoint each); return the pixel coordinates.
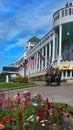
(63, 93)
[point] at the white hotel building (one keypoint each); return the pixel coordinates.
(56, 46)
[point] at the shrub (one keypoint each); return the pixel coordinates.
(18, 79)
(25, 79)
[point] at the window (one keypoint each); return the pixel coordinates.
(70, 11)
(58, 15)
(62, 13)
(72, 73)
(68, 73)
(66, 12)
(64, 73)
(13, 69)
(70, 4)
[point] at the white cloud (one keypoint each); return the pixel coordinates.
(20, 43)
(24, 19)
(10, 47)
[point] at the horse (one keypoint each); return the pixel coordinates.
(53, 77)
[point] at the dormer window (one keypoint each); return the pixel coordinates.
(70, 4)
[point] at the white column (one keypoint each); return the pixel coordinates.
(42, 59)
(7, 78)
(66, 74)
(49, 52)
(70, 73)
(39, 64)
(34, 64)
(56, 46)
(46, 57)
(53, 52)
(36, 61)
(60, 41)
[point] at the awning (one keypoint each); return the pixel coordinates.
(36, 75)
(65, 67)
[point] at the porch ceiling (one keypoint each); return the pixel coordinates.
(67, 31)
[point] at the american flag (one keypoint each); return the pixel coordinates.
(30, 62)
(42, 57)
(20, 67)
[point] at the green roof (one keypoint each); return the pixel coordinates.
(34, 39)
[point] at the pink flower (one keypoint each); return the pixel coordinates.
(26, 94)
(18, 97)
(13, 109)
(9, 99)
(21, 106)
(28, 101)
(4, 105)
(14, 103)
(1, 99)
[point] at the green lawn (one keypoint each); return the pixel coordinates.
(13, 85)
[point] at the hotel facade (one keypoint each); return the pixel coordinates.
(55, 48)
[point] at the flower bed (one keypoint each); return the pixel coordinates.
(26, 112)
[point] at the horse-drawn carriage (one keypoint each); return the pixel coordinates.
(53, 76)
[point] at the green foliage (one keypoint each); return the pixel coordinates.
(18, 79)
(25, 79)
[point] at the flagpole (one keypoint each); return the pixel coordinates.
(34, 30)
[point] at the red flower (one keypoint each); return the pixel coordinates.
(68, 115)
(20, 116)
(3, 119)
(49, 105)
(47, 112)
(62, 109)
(59, 126)
(40, 113)
(10, 118)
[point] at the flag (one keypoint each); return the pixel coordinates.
(30, 62)
(20, 67)
(42, 57)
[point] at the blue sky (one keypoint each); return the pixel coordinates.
(18, 18)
